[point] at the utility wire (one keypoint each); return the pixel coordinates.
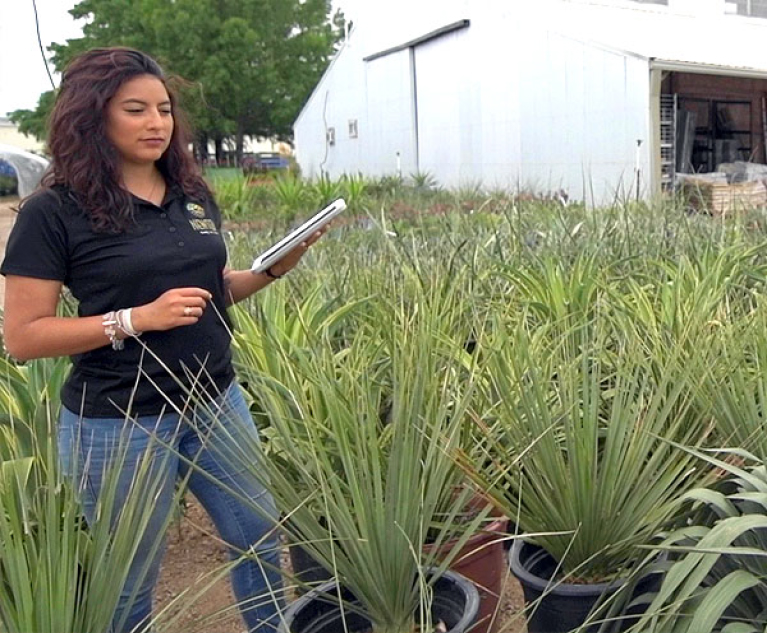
(40, 44)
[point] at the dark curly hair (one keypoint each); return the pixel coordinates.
(83, 158)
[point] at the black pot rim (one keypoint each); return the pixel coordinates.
(471, 608)
(552, 586)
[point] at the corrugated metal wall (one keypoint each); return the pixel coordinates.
(449, 121)
(390, 124)
(582, 110)
(469, 106)
(378, 96)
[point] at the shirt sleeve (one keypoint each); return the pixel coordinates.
(37, 244)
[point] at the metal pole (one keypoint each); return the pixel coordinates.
(638, 169)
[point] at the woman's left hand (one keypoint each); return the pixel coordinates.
(281, 267)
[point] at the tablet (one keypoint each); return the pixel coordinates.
(278, 250)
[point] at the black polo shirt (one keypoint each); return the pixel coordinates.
(175, 245)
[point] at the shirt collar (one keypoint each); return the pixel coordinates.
(172, 193)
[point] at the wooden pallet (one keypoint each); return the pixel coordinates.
(724, 198)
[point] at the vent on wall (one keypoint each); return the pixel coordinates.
(331, 136)
(353, 131)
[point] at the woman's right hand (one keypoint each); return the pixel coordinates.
(175, 307)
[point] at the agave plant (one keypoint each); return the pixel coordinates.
(423, 180)
(560, 296)
(292, 194)
(29, 406)
(56, 573)
(355, 191)
(325, 190)
(368, 477)
(671, 298)
(596, 480)
(734, 388)
(238, 199)
(266, 339)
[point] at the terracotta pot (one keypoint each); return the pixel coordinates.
(483, 561)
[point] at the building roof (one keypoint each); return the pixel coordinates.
(704, 41)
(678, 36)
(710, 42)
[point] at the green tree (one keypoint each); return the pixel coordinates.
(34, 122)
(248, 66)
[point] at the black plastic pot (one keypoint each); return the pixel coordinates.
(512, 529)
(455, 603)
(306, 568)
(481, 560)
(556, 607)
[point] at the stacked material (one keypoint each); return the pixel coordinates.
(741, 171)
(712, 194)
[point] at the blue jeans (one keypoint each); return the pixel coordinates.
(86, 447)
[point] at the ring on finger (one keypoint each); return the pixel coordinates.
(187, 311)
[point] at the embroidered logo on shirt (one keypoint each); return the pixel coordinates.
(198, 221)
(198, 211)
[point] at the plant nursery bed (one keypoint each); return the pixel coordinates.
(194, 551)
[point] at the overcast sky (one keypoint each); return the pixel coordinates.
(22, 69)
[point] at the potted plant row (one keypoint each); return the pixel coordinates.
(359, 457)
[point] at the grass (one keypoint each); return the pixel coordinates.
(214, 174)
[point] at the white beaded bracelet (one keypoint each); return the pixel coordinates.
(125, 322)
(109, 322)
(129, 323)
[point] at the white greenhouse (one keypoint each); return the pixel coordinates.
(592, 98)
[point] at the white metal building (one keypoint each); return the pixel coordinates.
(585, 96)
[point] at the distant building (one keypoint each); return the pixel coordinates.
(599, 98)
(10, 135)
(251, 146)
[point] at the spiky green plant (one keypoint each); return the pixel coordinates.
(56, 573)
(265, 337)
(593, 414)
(370, 429)
(292, 195)
(734, 388)
(325, 189)
(239, 200)
(355, 191)
(423, 180)
(29, 405)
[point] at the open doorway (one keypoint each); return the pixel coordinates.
(720, 131)
(711, 120)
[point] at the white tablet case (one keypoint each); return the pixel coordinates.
(280, 249)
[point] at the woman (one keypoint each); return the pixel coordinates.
(125, 221)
